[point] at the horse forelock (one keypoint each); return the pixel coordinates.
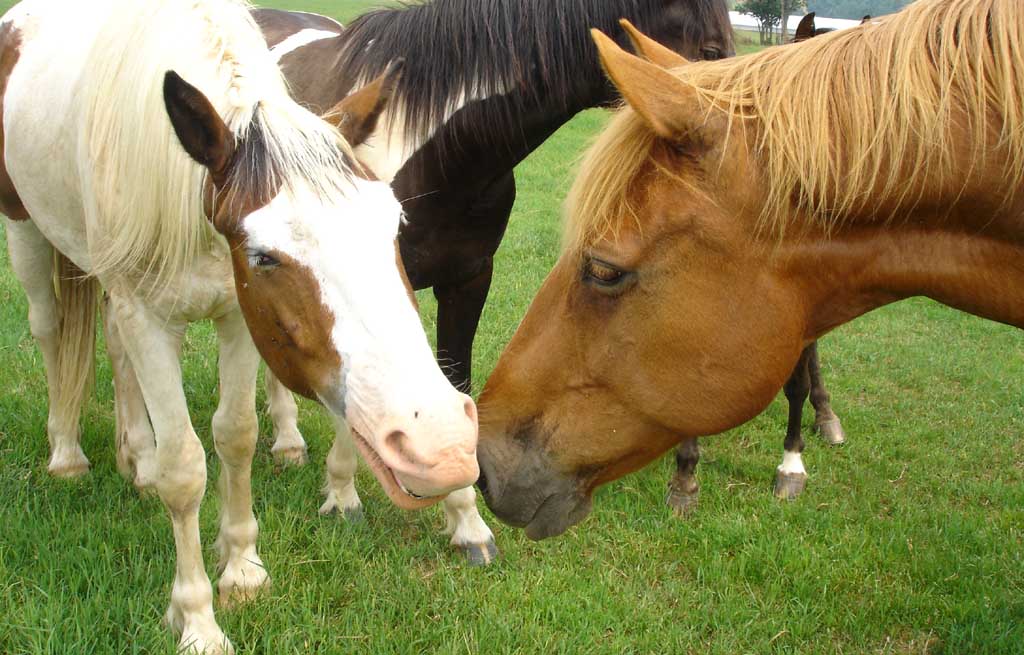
(843, 123)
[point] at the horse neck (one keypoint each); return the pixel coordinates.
(970, 257)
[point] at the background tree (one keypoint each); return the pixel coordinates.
(768, 14)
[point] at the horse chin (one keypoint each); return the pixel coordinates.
(398, 494)
(557, 514)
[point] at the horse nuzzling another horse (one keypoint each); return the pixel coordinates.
(217, 197)
(738, 210)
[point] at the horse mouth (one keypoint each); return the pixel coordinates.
(393, 487)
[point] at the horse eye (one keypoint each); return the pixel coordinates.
(603, 274)
(262, 260)
(710, 54)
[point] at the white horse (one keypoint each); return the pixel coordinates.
(263, 218)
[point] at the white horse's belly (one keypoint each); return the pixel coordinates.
(41, 117)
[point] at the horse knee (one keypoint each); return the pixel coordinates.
(181, 478)
(234, 434)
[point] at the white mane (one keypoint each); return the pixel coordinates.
(143, 197)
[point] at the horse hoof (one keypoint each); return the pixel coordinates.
(789, 485)
(480, 554)
(68, 465)
(832, 432)
(682, 504)
(291, 456)
(347, 514)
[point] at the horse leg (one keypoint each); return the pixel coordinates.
(825, 420)
(791, 478)
(459, 307)
(683, 489)
(32, 258)
(154, 346)
(136, 444)
(235, 428)
(341, 472)
(470, 534)
(289, 446)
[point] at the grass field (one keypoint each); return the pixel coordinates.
(909, 539)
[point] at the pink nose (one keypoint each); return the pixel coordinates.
(433, 451)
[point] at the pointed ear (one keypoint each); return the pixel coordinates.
(200, 129)
(865, 19)
(356, 116)
(650, 49)
(659, 97)
(805, 29)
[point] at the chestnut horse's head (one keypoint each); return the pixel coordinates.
(312, 238)
(628, 346)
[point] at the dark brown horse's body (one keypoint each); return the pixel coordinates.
(531, 73)
(739, 210)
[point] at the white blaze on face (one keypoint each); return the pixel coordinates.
(350, 251)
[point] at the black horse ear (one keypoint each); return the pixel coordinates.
(356, 116)
(200, 129)
(805, 29)
(865, 19)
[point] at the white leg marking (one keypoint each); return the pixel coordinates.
(154, 346)
(792, 463)
(463, 520)
(299, 40)
(32, 260)
(341, 470)
(234, 432)
(289, 446)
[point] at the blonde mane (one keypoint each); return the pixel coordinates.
(845, 122)
(142, 193)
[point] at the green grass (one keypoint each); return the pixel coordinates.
(908, 539)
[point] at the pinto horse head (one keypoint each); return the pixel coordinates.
(319, 281)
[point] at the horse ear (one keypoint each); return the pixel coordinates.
(200, 129)
(650, 49)
(865, 19)
(356, 116)
(805, 30)
(659, 97)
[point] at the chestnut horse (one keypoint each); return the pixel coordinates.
(737, 211)
(221, 198)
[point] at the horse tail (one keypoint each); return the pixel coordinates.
(77, 297)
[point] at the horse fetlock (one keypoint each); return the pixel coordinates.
(344, 501)
(68, 460)
(290, 448)
(244, 577)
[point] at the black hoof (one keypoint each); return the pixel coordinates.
(682, 504)
(832, 432)
(480, 554)
(789, 485)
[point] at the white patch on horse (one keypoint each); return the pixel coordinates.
(300, 40)
(792, 463)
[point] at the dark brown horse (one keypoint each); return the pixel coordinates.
(485, 83)
(739, 210)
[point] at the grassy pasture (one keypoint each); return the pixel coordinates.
(908, 539)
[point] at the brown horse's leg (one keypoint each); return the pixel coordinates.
(791, 478)
(683, 489)
(458, 313)
(826, 421)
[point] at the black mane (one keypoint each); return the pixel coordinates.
(535, 50)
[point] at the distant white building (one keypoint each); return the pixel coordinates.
(747, 23)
